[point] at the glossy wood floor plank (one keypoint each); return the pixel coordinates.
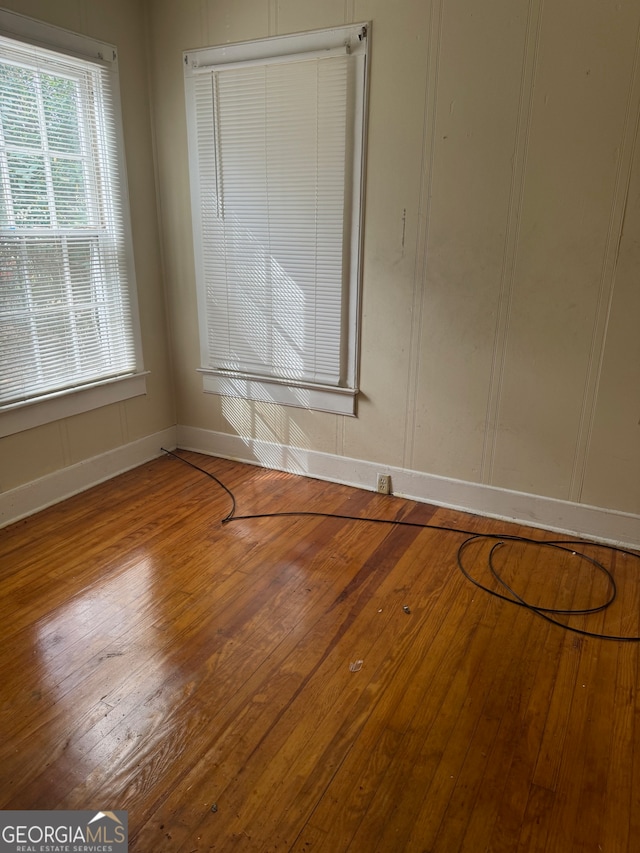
(305, 662)
(199, 674)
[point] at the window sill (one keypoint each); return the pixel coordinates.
(321, 398)
(23, 416)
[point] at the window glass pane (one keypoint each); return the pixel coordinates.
(19, 107)
(60, 98)
(83, 277)
(28, 189)
(12, 293)
(54, 335)
(92, 336)
(16, 346)
(44, 273)
(69, 192)
(4, 211)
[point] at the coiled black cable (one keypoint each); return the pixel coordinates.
(546, 613)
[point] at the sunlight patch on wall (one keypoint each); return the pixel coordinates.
(266, 430)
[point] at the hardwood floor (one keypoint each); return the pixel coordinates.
(205, 677)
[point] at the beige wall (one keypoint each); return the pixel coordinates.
(29, 455)
(499, 340)
(501, 299)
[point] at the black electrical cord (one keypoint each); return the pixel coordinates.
(471, 536)
(232, 511)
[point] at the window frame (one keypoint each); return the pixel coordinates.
(354, 39)
(55, 405)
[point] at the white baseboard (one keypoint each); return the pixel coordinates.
(547, 513)
(584, 521)
(31, 497)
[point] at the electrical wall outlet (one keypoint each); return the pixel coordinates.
(384, 484)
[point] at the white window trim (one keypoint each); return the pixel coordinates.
(32, 413)
(22, 416)
(354, 38)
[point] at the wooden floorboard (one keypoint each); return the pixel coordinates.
(311, 683)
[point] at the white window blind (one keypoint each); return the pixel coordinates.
(66, 316)
(274, 178)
